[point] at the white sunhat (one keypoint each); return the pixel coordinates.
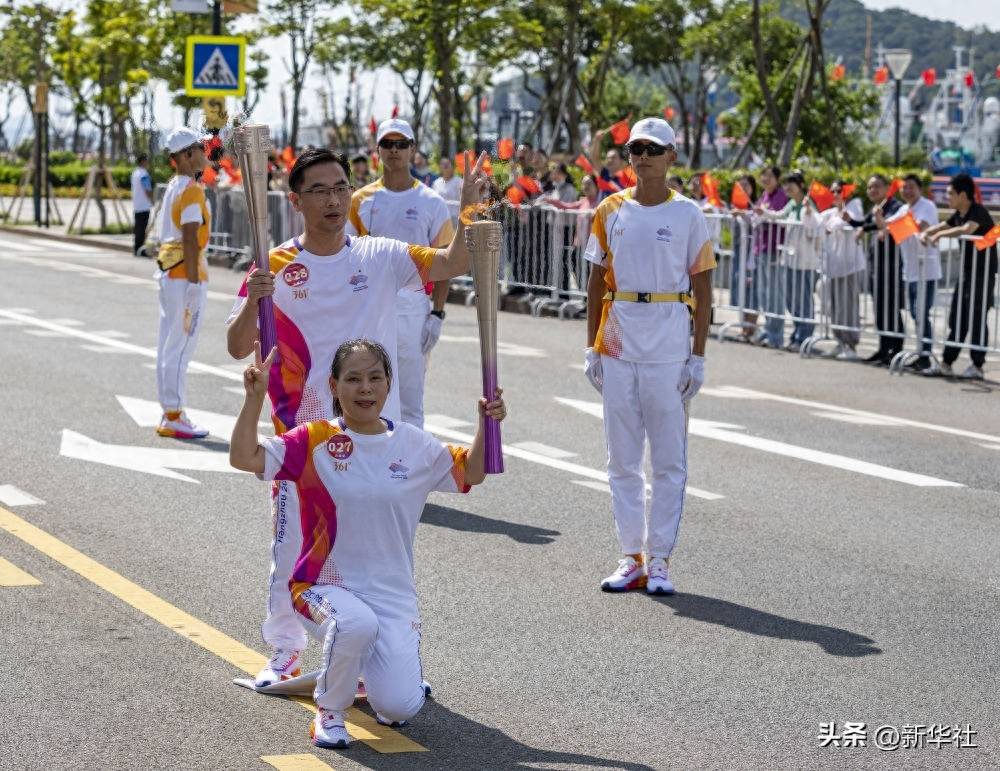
(394, 126)
(183, 138)
(655, 130)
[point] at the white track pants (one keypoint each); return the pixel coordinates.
(283, 626)
(176, 345)
(358, 641)
(412, 365)
(640, 401)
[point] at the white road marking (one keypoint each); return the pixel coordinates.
(66, 246)
(544, 449)
(556, 463)
(990, 446)
(14, 496)
(738, 392)
(444, 421)
(148, 460)
(22, 311)
(10, 322)
(147, 414)
(727, 432)
(44, 333)
(857, 420)
(601, 487)
(507, 349)
(92, 272)
(67, 322)
(102, 349)
(114, 333)
(18, 246)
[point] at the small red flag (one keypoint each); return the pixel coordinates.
(990, 238)
(894, 187)
(739, 197)
(970, 79)
(528, 184)
(710, 188)
(515, 195)
(505, 149)
(821, 194)
(372, 126)
(209, 176)
(838, 72)
(583, 163)
(668, 112)
(626, 177)
(620, 131)
(930, 76)
(881, 76)
(846, 191)
(903, 228)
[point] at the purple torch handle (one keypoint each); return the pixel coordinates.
(493, 460)
(265, 323)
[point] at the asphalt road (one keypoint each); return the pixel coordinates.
(837, 560)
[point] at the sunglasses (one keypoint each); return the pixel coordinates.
(651, 150)
(395, 144)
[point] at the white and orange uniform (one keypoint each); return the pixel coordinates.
(416, 216)
(183, 204)
(643, 348)
(321, 302)
(361, 497)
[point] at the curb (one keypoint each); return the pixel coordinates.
(55, 236)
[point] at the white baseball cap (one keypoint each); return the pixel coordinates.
(183, 138)
(655, 130)
(394, 126)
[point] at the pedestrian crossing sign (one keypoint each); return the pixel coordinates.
(214, 66)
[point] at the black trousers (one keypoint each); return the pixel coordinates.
(141, 221)
(970, 305)
(886, 283)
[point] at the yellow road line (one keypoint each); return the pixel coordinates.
(12, 575)
(304, 762)
(359, 725)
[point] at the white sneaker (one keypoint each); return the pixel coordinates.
(972, 372)
(179, 426)
(946, 370)
(848, 354)
(386, 721)
(628, 575)
(284, 665)
(328, 731)
(657, 581)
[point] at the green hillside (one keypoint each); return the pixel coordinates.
(930, 40)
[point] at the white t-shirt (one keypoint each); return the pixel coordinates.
(924, 211)
(843, 254)
(451, 191)
(648, 249)
(321, 302)
(142, 188)
(415, 216)
(360, 498)
(170, 226)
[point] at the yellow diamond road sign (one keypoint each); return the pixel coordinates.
(214, 66)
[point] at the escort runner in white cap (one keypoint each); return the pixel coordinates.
(399, 206)
(650, 283)
(185, 224)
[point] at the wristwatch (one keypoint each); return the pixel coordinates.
(439, 314)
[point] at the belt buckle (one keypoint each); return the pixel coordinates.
(642, 297)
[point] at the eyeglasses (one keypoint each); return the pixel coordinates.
(635, 149)
(395, 144)
(325, 193)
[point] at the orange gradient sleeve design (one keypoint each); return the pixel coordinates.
(423, 258)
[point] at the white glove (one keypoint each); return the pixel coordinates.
(594, 370)
(192, 307)
(431, 333)
(692, 377)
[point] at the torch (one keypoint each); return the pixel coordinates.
(252, 143)
(483, 240)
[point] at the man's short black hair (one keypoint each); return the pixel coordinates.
(880, 177)
(141, 158)
(359, 158)
(312, 157)
(915, 180)
(963, 183)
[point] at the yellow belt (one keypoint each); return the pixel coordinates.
(653, 297)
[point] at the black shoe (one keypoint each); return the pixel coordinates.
(877, 359)
(919, 364)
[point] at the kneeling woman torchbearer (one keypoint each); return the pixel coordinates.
(362, 482)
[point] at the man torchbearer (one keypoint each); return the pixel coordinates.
(651, 275)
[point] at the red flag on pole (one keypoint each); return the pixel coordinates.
(505, 149)
(990, 238)
(710, 187)
(821, 194)
(903, 228)
(372, 127)
(930, 76)
(846, 191)
(895, 187)
(838, 72)
(668, 112)
(970, 79)
(583, 163)
(739, 197)
(620, 131)
(881, 76)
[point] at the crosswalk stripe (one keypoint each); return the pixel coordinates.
(12, 575)
(303, 762)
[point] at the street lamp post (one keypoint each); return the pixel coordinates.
(897, 60)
